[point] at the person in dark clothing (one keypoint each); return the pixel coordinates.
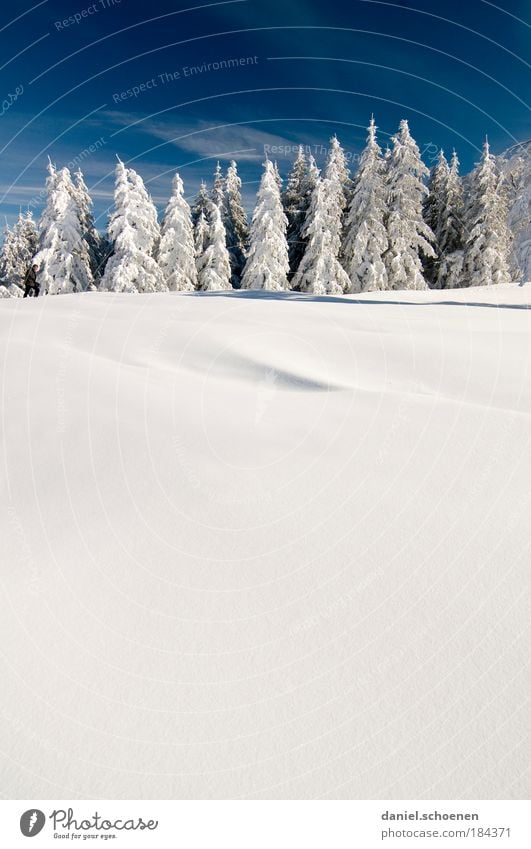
(31, 287)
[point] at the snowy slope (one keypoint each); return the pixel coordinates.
(265, 545)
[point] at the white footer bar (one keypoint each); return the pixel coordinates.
(266, 824)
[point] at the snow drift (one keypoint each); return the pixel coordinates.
(265, 545)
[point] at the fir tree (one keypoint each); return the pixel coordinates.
(201, 231)
(176, 252)
(295, 200)
(436, 191)
(218, 189)
(236, 226)
(278, 178)
(201, 203)
(267, 263)
(365, 241)
(98, 246)
(312, 176)
(486, 260)
(410, 238)
(28, 235)
(449, 233)
(213, 265)
(8, 262)
(432, 207)
(336, 170)
(134, 231)
(63, 256)
(18, 250)
(320, 272)
(518, 175)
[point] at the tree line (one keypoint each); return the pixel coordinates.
(392, 225)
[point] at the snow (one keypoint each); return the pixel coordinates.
(260, 544)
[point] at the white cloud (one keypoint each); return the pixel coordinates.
(207, 139)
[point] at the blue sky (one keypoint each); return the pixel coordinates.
(177, 85)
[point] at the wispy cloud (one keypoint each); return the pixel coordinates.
(208, 139)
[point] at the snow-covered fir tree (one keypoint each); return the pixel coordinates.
(448, 268)
(218, 189)
(201, 203)
(517, 179)
(312, 175)
(201, 232)
(236, 226)
(294, 186)
(9, 266)
(267, 263)
(176, 251)
(98, 246)
(213, 265)
(63, 255)
(278, 176)
(336, 170)
(436, 190)
(310, 181)
(410, 238)
(486, 260)
(28, 234)
(365, 234)
(18, 250)
(296, 199)
(134, 232)
(432, 210)
(320, 272)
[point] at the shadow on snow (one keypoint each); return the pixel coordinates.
(266, 295)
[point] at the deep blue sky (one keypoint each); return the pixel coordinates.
(314, 68)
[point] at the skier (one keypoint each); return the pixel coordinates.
(30, 282)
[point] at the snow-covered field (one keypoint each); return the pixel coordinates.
(264, 545)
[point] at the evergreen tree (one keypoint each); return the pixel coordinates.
(432, 207)
(8, 261)
(312, 176)
(486, 260)
(267, 263)
(236, 226)
(449, 233)
(213, 265)
(28, 236)
(336, 170)
(365, 240)
(98, 246)
(18, 250)
(410, 238)
(320, 272)
(201, 203)
(295, 200)
(176, 252)
(278, 178)
(519, 174)
(134, 231)
(201, 231)
(63, 256)
(218, 189)
(436, 190)
(452, 210)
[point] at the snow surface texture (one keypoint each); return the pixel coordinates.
(265, 545)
